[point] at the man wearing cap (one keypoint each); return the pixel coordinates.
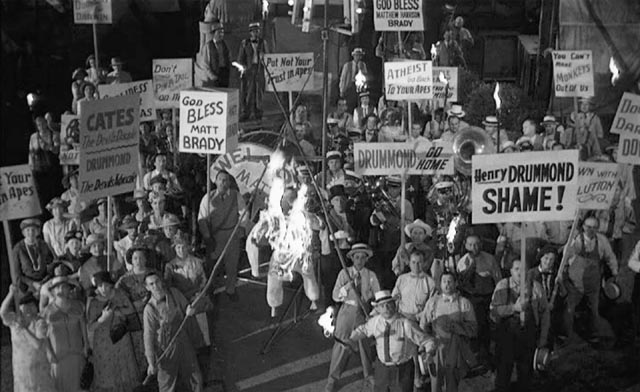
(31, 258)
(341, 114)
(54, 229)
(252, 78)
(364, 110)
(130, 226)
(491, 128)
(397, 342)
(218, 214)
(348, 77)
(160, 164)
(335, 173)
(118, 75)
(420, 235)
(355, 286)
(588, 119)
(516, 342)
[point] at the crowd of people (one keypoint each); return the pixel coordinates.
(108, 283)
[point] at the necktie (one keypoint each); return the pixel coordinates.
(358, 281)
(387, 335)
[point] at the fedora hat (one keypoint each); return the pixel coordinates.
(30, 222)
(611, 289)
(490, 120)
(138, 194)
(169, 220)
(418, 224)
(381, 297)
(129, 222)
(336, 191)
(360, 247)
(456, 111)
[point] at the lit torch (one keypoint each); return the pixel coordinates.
(326, 322)
(496, 98)
(361, 81)
(239, 67)
(615, 71)
(451, 237)
(443, 79)
(434, 52)
(265, 9)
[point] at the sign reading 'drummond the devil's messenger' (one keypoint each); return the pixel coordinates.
(109, 140)
(534, 186)
(408, 80)
(208, 121)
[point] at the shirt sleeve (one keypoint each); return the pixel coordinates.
(341, 287)
(414, 333)
(151, 327)
(203, 217)
(364, 330)
(500, 306)
(607, 254)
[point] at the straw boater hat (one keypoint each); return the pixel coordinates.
(57, 202)
(360, 247)
(490, 120)
(255, 26)
(357, 51)
(393, 180)
(456, 111)
(116, 61)
(381, 297)
(93, 239)
(364, 94)
(30, 222)
(138, 194)
(418, 224)
(549, 119)
(169, 220)
(334, 155)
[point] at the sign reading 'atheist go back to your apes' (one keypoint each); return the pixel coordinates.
(109, 140)
(208, 121)
(540, 186)
(408, 80)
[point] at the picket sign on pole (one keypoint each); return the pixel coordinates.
(95, 45)
(291, 112)
(523, 267)
(403, 210)
(209, 188)
(564, 260)
(109, 232)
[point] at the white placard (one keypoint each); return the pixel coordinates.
(439, 88)
(524, 187)
(208, 121)
(628, 115)
(170, 76)
(408, 80)
(109, 139)
(398, 15)
(18, 194)
(596, 185)
(142, 87)
(629, 148)
(92, 11)
(289, 71)
(422, 158)
(573, 73)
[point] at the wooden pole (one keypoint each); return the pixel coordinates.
(403, 212)
(564, 259)
(523, 269)
(410, 118)
(95, 46)
(109, 233)
(12, 262)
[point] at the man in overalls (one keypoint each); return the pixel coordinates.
(585, 274)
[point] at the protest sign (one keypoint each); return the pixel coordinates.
(92, 11)
(18, 195)
(532, 186)
(596, 185)
(289, 71)
(142, 87)
(109, 139)
(69, 127)
(408, 80)
(390, 15)
(208, 121)
(70, 156)
(422, 158)
(629, 148)
(628, 115)
(451, 73)
(573, 73)
(170, 76)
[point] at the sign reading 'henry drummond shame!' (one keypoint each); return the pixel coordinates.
(423, 158)
(541, 186)
(18, 196)
(109, 139)
(573, 73)
(289, 71)
(398, 15)
(408, 80)
(628, 115)
(208, 121)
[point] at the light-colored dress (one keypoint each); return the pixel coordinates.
(31, 369)
(132, 285)
(115, 367)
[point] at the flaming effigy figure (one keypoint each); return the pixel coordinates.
(287, 228)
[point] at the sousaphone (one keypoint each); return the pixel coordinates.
(467, 143)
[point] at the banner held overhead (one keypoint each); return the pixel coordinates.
(597, 183)
(628, 115)
(289, 70)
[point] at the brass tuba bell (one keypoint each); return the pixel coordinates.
(467, 143)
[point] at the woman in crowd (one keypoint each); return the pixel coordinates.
(44, 147)
(73, 249)
(54, 229)
(98, 224)
(31, 258)
(65, 327)
(77, 83)
(31, 369)
(112, 355)
(97, 261)
(143, 209)
(58, 268)
(70, 195)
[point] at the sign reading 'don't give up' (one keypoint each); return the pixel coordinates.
(419, 158)
(18, 195)
(142, 87)
(398, 15)
(532, 186)
(109, 139)
(408, 80)
(208, 120)
(289, 71)
(628, 115)
(573, 73)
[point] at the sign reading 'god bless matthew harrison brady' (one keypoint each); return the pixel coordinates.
(109, 139)
(398, 15)
(208, 121)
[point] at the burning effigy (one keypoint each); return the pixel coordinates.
(286, 227)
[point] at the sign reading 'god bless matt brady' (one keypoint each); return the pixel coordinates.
(408, 80)
(208, 121)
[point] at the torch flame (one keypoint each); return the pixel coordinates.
(360, 79)
(496, 96)
(326, 322)
(615, 71)
(453, 229)
(443, 78)
(238, 66)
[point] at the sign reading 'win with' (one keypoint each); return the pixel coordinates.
(408, 80)
(596, 185)
(398, 15)
(422, 158)
(208, 121)
(540, 186)
(573, 73)
(290, 71)
(109, 140)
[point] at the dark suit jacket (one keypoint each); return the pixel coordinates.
(245, 54)
(216, 56)
(534, 274)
